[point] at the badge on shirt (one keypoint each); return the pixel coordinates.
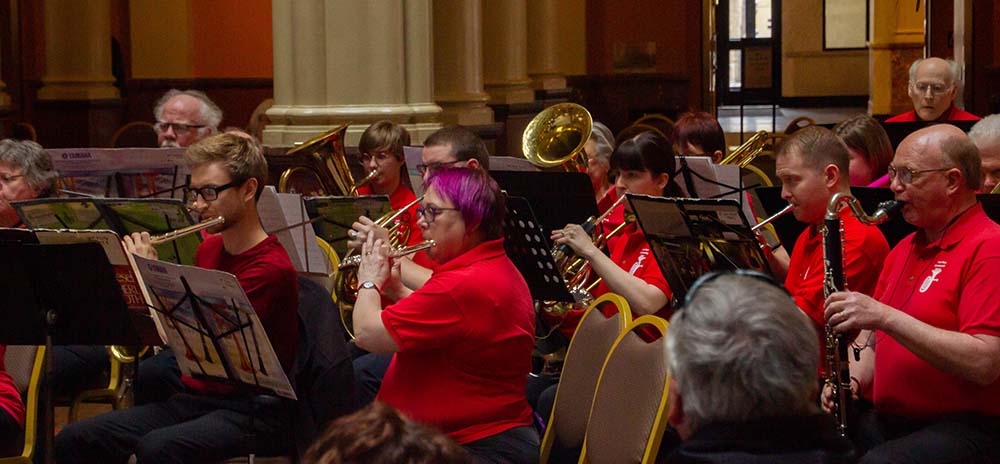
(638, 262)
(938, 267)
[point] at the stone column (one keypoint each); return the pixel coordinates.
(897, 39)
(348, 61)
(77, 51)
(458, 62)
(543, 41)
(505, 51)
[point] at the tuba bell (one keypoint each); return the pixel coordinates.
(556, 136)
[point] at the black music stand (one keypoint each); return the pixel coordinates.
(691, 236)
(63, 294)
(337, 214)
(897, 131)
(528, 247)
(559, 198)
(991, 205)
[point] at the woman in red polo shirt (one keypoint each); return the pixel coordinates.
(11, 410)
(645, 165)
(463, 341)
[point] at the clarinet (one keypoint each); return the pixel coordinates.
(838, 372)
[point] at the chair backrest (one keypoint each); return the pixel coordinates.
(629, 414)
(24, 365)
(602, 324)
(135, 134)
(323, 373)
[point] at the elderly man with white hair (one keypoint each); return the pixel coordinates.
(934, 83)
(986, 135)
(742, 360)
(184, 117)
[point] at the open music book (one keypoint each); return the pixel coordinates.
(122, 215)
(278, 212)
(121, 172)
(212, 327)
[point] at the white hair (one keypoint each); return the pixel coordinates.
(603, 141)
(953, 67)
(986, 132)
(740, 351)
(211, 114)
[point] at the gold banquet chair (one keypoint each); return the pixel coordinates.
(629, 414)
(587, 351)
(24, 364)
(111, 394)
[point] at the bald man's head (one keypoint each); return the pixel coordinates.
(933, 86)
(942, 145)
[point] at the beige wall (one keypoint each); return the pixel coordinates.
(807, 70)
(161, 38)
(572, 37)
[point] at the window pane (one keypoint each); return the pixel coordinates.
(762, 19)
(735, 70)
(737, 20)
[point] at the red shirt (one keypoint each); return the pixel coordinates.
(10, 399)
(865, 249)
(401, 197)
(951, 114)
(616, 218)
(631, 252)
(950, 284)
(465, 341)
(267, 276)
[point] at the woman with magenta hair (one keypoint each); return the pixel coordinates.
(463, 340)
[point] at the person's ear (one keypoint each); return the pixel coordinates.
(472, 163)
(675, 410)
(662, 180)
(717, 156)
(955, 180)
(249, 189)
(831, 176)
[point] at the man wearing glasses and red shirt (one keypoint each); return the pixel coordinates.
(929, 345)
(933, 86)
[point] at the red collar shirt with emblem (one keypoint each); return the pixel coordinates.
(950, 284)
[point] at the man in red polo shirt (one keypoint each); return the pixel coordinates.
(812, 166)
(931, 336)
(933, 86)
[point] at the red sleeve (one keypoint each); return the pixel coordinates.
(650, 273)
(429, 318)
(10, 399)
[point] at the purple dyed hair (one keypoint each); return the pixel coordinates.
(476, 196)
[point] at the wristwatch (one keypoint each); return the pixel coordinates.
(369, 285)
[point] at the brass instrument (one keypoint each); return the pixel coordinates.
(370, 177)
(556, 136)
(746, 153)
(837, 368)
(176, 234)
(346, 279)
(996, 189)
(317, 167)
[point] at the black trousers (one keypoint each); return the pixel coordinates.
(183, 429)
(964, 438)
(369, 369)
(512, 446)
(11, 435)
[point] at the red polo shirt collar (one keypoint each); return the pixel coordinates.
(487, 250)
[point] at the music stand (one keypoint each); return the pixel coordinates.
(897, 131)
(64, 294)
(690, 237)
(337, 214)
(991, 205)
(528, 248)
(559, 198)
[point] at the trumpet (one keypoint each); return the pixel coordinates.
(355, 260)
(176, 234)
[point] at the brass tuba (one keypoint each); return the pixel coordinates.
(316, 167)
(556, 136)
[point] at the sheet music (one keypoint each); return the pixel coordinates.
(142, 171)
(713, 181)
(280, 210)
(338, 213)
(247, 348)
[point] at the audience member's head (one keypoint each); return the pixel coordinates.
(699, 134)
(812, 165)
(26, 173)
(184, 117)
(740, 350)
(986, 135)
(933, 85)
(453, 146)
(380, 434)
(868, 146)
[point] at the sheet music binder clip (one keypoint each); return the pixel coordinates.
(529, 249)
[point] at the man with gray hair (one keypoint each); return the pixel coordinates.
(25, 173)
(934, 83)
(742, 361)
(184, 117)
(986, 135)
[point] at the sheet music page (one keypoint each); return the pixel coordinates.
(133, 290)
(157, 216)
(145, 170)
(280, 210)
(338, 213)
(246, 347)
(61, 213)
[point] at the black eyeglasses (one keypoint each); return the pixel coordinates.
(208, 193)
(430, 213)
(706, 278)
(380, 157)
(424, 168)
(179, 128)
(907, 175)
